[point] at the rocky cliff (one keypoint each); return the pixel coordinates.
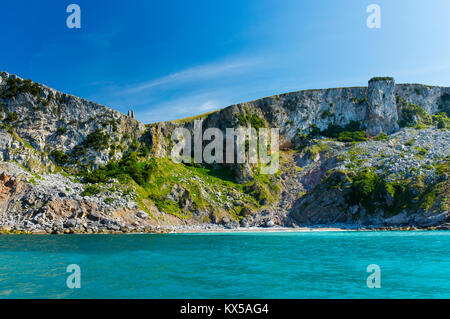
(377, 107)
(47, 120)
(362, 157)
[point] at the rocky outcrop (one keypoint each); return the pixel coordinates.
(433, 99)
(49, 120)
(402, 181)
(53, 204)
(382, 113)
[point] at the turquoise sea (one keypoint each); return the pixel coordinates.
(228, 265)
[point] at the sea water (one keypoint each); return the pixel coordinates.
(414, 264)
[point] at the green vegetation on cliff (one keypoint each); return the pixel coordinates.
(15, 86)
(179, 189)
(254, 120)
(413, 115)
(374, 192)
(59, 157)
(381, 78)
(98, 140)
(352, 132)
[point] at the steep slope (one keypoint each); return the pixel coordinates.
(374, 156)
(48, 121)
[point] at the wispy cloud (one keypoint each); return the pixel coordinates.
(197, 73)
(182, 107)
(191, 91)
(100, 40)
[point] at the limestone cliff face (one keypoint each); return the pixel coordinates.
(433, 99)
(291, 112)
(376, 107)
(50, 120)
(382, 113)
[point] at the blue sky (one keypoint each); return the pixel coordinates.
(172, 59)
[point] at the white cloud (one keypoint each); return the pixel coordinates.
(208, 106)
(189, 92)
(202, 72)
(181, 107)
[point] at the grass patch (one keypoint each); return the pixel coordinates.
(91, 190)
(193, 118)
(382, 137)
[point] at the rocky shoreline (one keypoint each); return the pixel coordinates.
(215, 229)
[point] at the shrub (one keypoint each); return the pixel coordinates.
(257, 122)
(47, 101)
(59, 157)
(334, 130)
(316, 149)
(60, 98)
(97, 140)
(12, 88)
(365, 183)
(381, 78)
(382, 137)
(326, 114)
(127, 166)
(61, 131)
(78, 152)
(443, 169)
(418, 91)
(441, 120)
(11, 117)
(29, 86)
(358, 136)
(242, 120)
(254, 120)
(352, 132)
(96, 176)
(314, 131)
(16, 86)
(422, 151)
(367, 187)
(91, 190)
(358, 101)
(412, 114)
